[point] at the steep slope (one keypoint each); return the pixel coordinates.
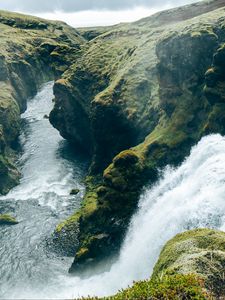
(156, 85)
(32, 51)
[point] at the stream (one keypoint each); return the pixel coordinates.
(49, 171)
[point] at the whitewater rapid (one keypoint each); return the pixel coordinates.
(49, 171)
(190, 196)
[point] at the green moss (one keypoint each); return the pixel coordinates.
(171, 287)
(216, 120)
(7, 220)
(168, 287)
(83, 252)
(68, 223)
(200, 251)
(125, 158)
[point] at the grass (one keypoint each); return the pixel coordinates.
(168, 287)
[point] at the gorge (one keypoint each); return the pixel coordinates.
(141, 113)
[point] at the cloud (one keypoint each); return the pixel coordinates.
(98, 18)
(40, 6)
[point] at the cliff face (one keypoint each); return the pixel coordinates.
(156, 85)
(32, 51)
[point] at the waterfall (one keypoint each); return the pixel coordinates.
(189, 196)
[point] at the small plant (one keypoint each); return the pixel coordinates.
(167, 287)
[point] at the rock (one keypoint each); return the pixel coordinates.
(46, 117)
(7, 220)
(125, 159)
(74, 192)
(138, 101)
(200, 252)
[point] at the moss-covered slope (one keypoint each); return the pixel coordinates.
(157, 86)
(200, 252)
(191, 266)
(32, 51)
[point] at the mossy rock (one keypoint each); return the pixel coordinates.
(7, 220)
(215, 78)
(9, 175)
(200, 252)
(125, 159)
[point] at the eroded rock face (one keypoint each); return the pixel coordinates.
(32, 52)
(200, 252)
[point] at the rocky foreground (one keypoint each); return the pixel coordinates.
(135, 97)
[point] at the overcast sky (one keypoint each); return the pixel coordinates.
(91, 12)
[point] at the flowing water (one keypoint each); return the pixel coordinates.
(190, 196)
(49, 172)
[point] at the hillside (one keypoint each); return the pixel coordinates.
(32, 51)
(137, 99)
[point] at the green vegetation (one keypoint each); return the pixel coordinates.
(170, 287)
(137, 99)
(7, 220)
(200, 251)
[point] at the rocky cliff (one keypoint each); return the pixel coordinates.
(137, 99)
(32, 51)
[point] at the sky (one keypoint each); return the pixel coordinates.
(80, 13)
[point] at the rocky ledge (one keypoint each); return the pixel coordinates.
(137, 99)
